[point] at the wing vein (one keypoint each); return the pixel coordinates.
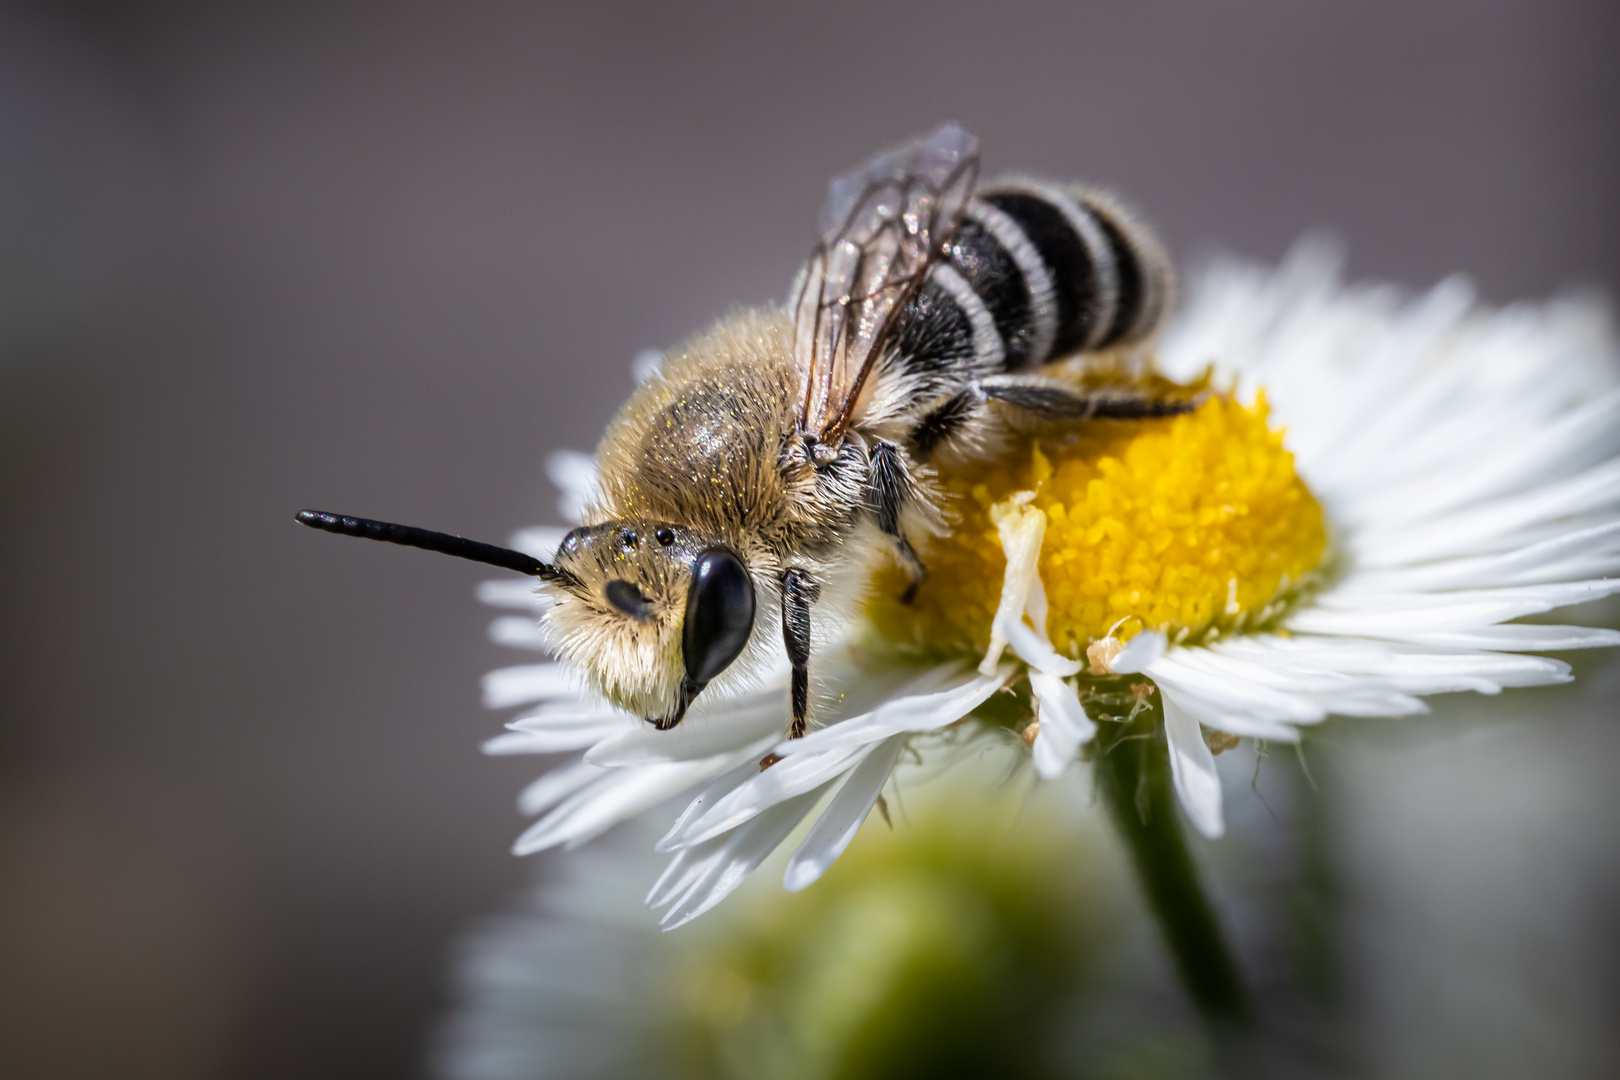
(883, 227)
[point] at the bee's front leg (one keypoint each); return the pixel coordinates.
(888, 489)
(799, 591)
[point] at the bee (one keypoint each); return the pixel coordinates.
(749, 487)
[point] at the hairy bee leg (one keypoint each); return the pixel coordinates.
(799, 591)
(888, 489)
(944, 421)
(1048, 402)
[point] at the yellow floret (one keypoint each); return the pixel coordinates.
(1190, 524)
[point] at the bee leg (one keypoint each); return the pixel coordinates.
(1046, 401)
(944, 421)
(799, 591)
(888, 489)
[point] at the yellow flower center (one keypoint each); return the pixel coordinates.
(1193, 525)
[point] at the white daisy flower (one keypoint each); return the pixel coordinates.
(1380, 490)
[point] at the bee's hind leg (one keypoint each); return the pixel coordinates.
(888, 489)
(1045, 401)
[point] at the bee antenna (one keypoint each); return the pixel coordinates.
(444, 543)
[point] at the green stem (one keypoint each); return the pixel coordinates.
(1132, 766)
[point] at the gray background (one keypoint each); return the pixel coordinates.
(381, 259)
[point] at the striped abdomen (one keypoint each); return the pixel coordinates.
(1036, 273)
(1092, 277)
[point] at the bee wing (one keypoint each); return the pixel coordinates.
(881, 229)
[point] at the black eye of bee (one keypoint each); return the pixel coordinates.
(719, 616)
(665, 536)
(627, 598)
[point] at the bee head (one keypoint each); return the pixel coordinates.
(652, 612)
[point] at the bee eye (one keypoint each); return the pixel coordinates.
(719, 615)
(627, 598)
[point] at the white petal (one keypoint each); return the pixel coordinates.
(1037, 652)
(680, 873)
(721, 866)
(1422, 672)
(854, 700)
(1543, 597)
(557, 785)
(1410, 669)
(1335, 692)
(1525, 564)
(1192, 767)
(1445, 613)
(617, 795)
(557, 727)
(1574, 441)
(1377, 407)
(843, 817)
(1021, 529)
(1493, 380)
(1233, 695)
(646, 364)
(1139, 652)
(1487, 526)
(1064, 725)
(916, 712)
(1035, 606)
(1211, 715)
(574, 474)
(1522, 637)
(518, 632)
(548, 742)
(555, 716)
(529, 683)
(1588, 567)
(721, 786)
(696, 737)
(790, 777)
(540, 541)
(518, 593)
(1308, 651)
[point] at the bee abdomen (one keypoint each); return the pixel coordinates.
(1060, 271)
(1030, 274)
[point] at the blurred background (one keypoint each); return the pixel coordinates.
(383, 258)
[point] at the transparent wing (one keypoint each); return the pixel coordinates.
(881, 229)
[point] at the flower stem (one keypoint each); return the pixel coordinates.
(1132, 766)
